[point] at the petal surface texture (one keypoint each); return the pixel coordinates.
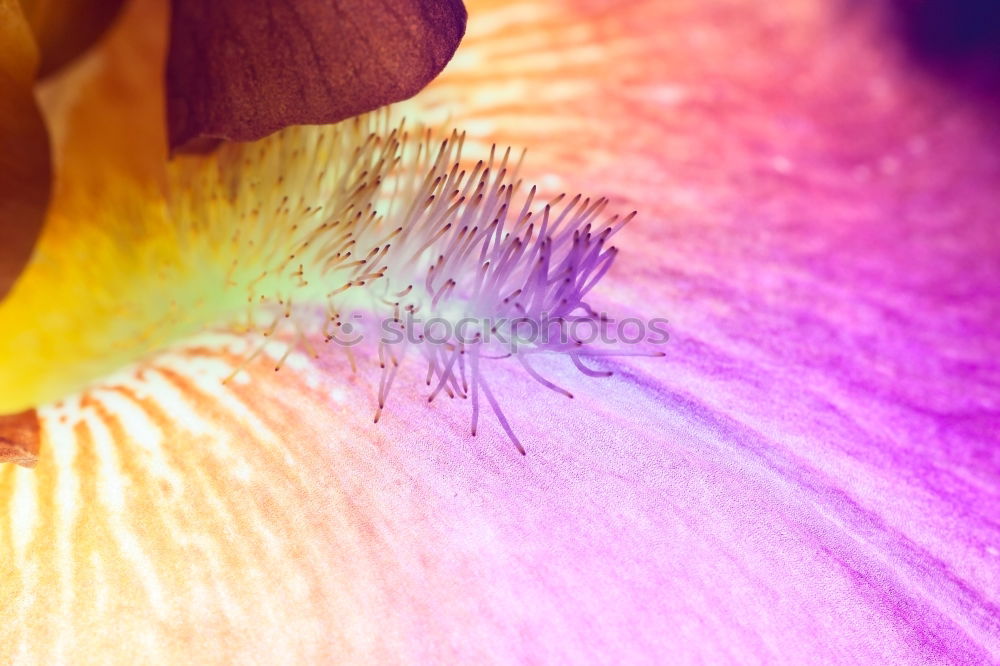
(241, 69)
(809, 476)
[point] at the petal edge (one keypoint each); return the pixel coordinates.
(241, 70)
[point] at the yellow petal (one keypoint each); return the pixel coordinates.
(106, 114)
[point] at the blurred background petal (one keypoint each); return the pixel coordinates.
(63, 29)
(37, 37)
(107, 117)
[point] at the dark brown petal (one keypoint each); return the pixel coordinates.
(242, 69)
(65, 28)
(24, 146)
(19, 438)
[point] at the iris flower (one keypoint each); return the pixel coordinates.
(809, 474)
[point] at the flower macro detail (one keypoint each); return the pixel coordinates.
(808, 475)
(233, 71)
(282, 237)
